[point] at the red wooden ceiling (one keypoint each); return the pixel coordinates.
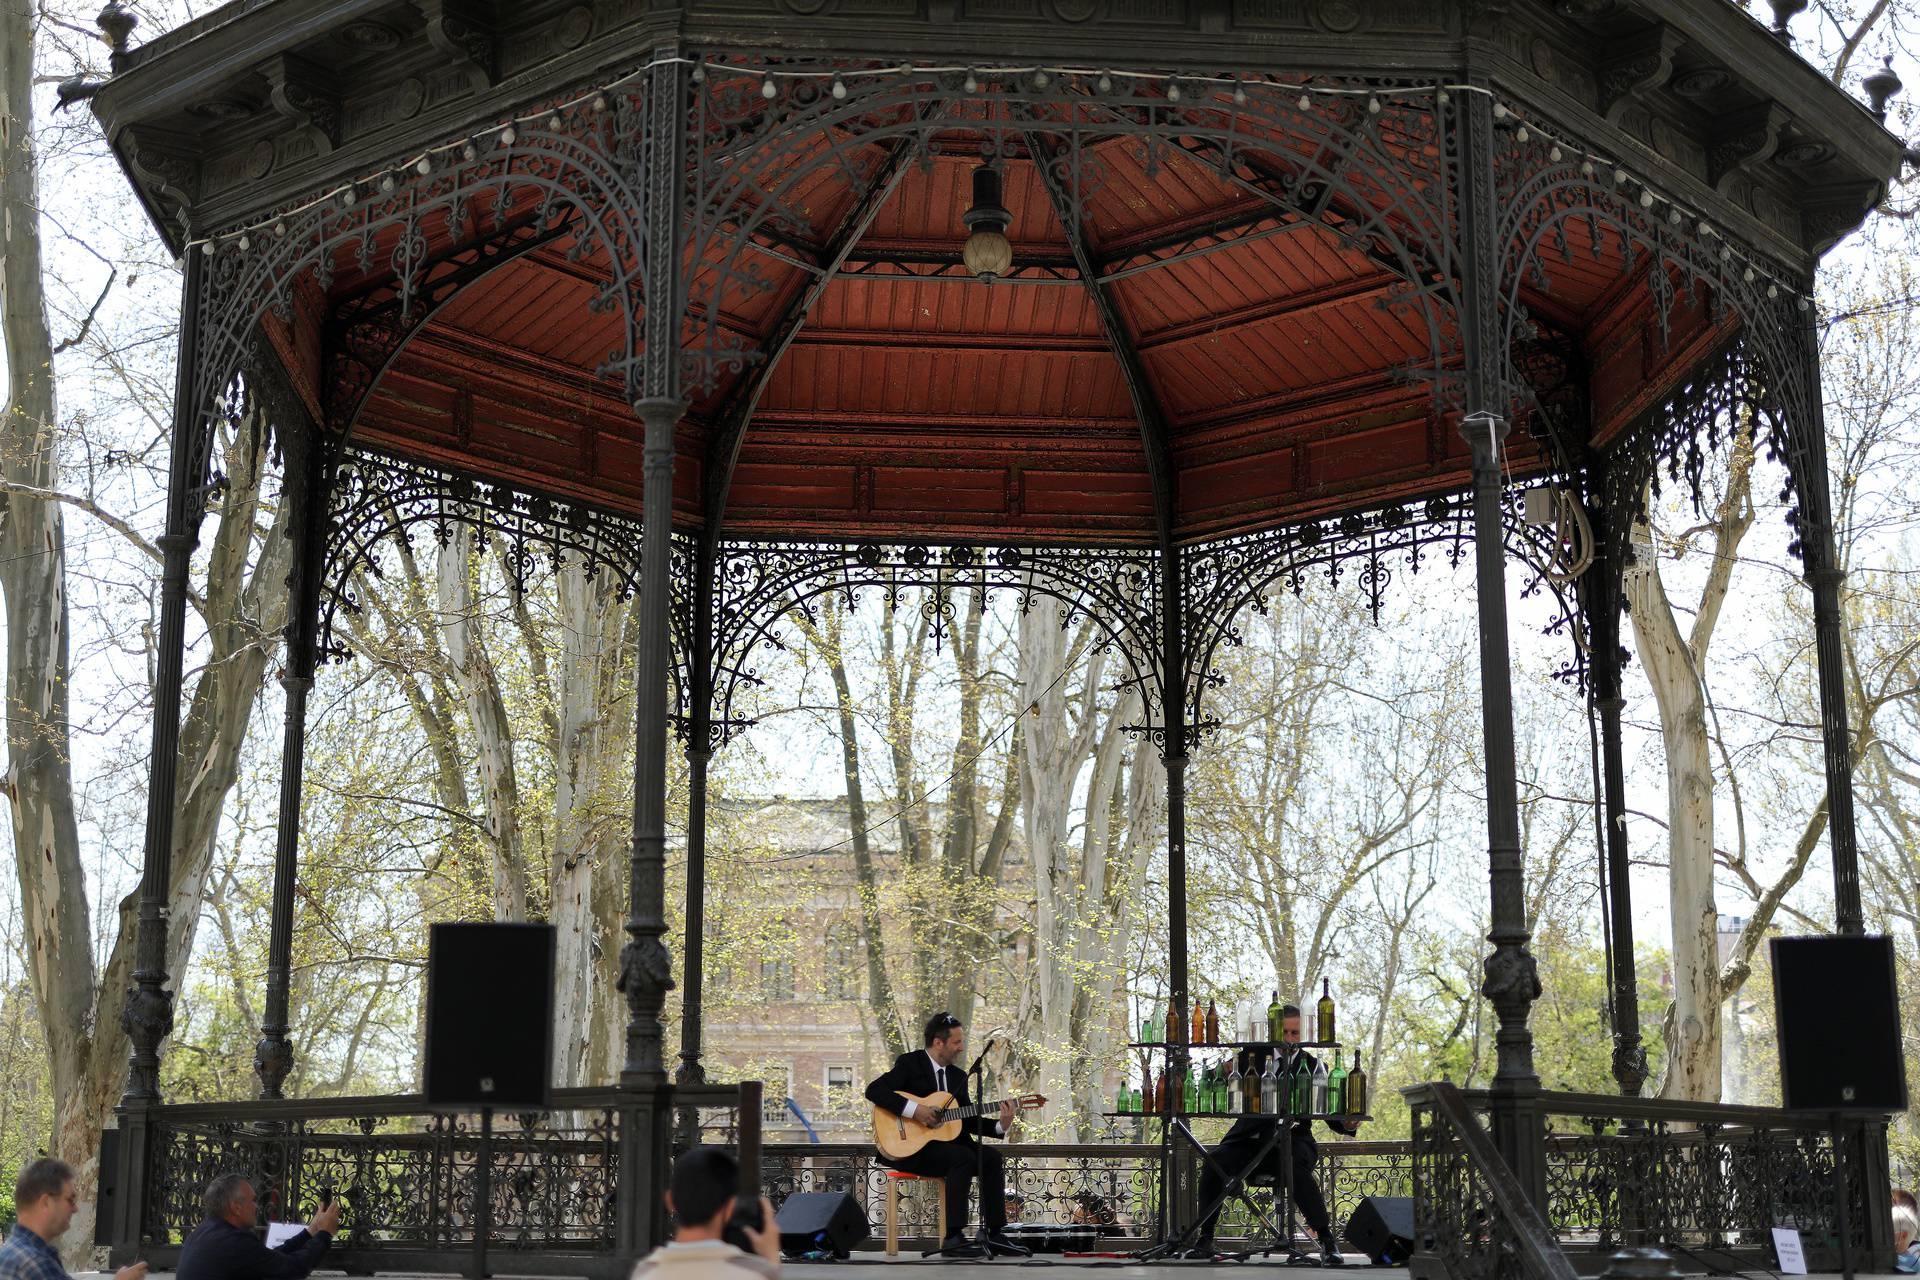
(1284, 364)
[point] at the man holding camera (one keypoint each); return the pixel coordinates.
(226, 1245)
(701, 1197)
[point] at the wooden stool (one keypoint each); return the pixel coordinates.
(894, 1178)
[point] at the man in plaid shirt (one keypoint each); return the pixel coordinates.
(45, 1202)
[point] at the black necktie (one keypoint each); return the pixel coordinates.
(940, 1079)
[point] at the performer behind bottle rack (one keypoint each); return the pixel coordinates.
(1237, 1151)
(936, 1070)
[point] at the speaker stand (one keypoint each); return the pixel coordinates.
(483, 1198)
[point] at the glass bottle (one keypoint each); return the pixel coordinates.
(1173, 1023)
(1234, 1091)
(1337, 1088)
(1269, 1091)
(1190, 1092)
(1150, 1025)
(1302, 1083)
(1275, 1033)
(1356, 1088)
(1213, 1023)
(1120, 1102)
(1199, 1024)
(1160, 1094)
(1324, 1032)
(1320, 1078)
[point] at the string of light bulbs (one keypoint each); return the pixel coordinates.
(505, 133)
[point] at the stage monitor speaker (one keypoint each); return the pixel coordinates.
(1837, 1016)
(820, 1222)
(1382, 1228)
(489, 1017)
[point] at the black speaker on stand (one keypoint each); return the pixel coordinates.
(1837, 1012)
(489, 1036)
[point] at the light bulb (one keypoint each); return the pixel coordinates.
(768, 89)
(988, 254)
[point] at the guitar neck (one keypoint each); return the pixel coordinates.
(979, 1108)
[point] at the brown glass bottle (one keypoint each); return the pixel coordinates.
(1176, 1028)
(1356, 1088)
(1213, 1023)
(1199, 1025)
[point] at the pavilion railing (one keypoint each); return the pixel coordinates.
(407, 1176)
(1112, 1186)
(1704, 1181)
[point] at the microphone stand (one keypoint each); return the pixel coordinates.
(978, 1088)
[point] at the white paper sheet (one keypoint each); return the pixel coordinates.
(278, 1233)
(1793, 1259)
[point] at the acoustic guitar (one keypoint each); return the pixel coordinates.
(898, 1137)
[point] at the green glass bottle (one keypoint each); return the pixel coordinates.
(1324, 1033)
(1356, 1088)
(1275, 1032)
(1191, 1093)
(1302, 1081)
(1150, 1025)
(1337, 1088)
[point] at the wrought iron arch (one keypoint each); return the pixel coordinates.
(1765, 370)
(1222, 578)
(569, 157)
(374, 498)
(1344, 172)
(758, 584)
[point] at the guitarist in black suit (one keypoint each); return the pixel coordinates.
(936, 1071)
(1237, 1151)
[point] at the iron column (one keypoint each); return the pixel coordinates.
(1512, 982)
(148, 1015)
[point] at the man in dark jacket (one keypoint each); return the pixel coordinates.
(935, 1071)
(226, 1245)
(1238, 1150)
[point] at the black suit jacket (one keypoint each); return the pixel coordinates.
(1252, 1129)
(218, 1250)
(913, 1073)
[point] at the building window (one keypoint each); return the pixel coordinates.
(843, 1094)
(773, 1096)
(776, 980)
(845, 977)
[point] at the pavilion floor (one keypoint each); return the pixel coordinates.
(867, 1266)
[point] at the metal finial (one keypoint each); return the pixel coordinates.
(1881, 86)
(1784, 12)
(116, 23)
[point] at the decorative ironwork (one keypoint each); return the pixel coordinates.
(1222, 578)
(1469, 1209)
(1113, 1187)
(756, 585)
(1700, 1178)
(375, 498)
(499, 189)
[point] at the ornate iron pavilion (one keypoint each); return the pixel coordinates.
(680, 289)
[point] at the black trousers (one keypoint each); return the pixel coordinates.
(954, 1162)
(1238, 1155)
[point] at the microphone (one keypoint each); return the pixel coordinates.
(981, 1057)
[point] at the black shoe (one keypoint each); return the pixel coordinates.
(1330, 1256)
(1202, 1251)
(960, 1247)
(1001, 1247)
